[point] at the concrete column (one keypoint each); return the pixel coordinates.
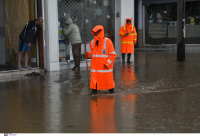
(126, 10)
(140, 14)
(143, 23)
(51, 35)
(140, 20)
(117, 28)
(180, 30)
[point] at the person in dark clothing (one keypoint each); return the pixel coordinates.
(28, 36)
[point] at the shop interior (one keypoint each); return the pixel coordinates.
(161, 23)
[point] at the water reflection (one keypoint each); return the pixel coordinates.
(111, 114)
(20, 107)
(127, 112)
(129, 77)
(76, 83)
(102, 114)
(53, 106)
(180, 70)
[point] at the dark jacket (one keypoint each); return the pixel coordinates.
(30, 32)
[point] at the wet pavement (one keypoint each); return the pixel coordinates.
(152, 95)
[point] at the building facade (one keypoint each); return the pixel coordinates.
(157, 22)
(86, 14)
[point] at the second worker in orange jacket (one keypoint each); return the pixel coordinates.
(103, 56)
(128, 39)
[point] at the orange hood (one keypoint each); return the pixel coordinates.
(130, 20)
(129, 27)
(100, 35)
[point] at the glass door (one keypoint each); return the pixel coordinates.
(156, 24)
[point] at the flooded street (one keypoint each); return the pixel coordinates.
(154, 94)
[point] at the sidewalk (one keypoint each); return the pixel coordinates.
(17, 74)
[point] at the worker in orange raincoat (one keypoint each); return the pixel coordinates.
(128, 39)
(103, 56)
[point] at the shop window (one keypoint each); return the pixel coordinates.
(100, 12)
(192, 17)
(75, 10)
(161, 23)
(86, 14)
(157, 15)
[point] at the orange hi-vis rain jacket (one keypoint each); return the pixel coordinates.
(127, 42)
(103, 54)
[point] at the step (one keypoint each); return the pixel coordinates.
(11, 73)
(65, 65)
(157, 47)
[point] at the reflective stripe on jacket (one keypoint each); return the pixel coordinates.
(127, 42)
(101, 54)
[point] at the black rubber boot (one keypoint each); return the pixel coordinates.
(129, 58)
(76, 68)
(123, 58)
(94, 91)
(111, 91)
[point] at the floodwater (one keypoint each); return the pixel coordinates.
(152, 95)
